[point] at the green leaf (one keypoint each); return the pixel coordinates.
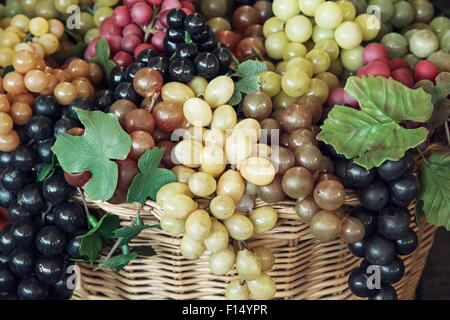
(129, 233)
(90, 246)
(109, 225)
(434, 195)
(103, 140)
(7, 70)
(75, 35)
(48, 169)
(118, 262)
(75, 51)
(151, 178)
(146, 251)
(367, 141)
(372, 135)
(235, 98)
(248, 84)
(250, 68)
(102, 56)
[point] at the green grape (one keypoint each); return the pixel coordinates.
(222, 261)
(217, 238)
(440, 58)
(445, 41)
(352, 59)
(308, 7)
(276, 44)
(348, 10)
(348, 35)
(272, 25)
(101, 14)
(320, 33)
(302, 64)
(320, 59)
(86, 22)
(107, 3)
(396, 45)
(298, 28)
(172, 225)
(281, 67)
(46, 9)
(336, 68)
(295, 82)
(190, 248)
(237, 291)
(385, 28)
(369, 24)
(62, 5)
(424, 10)
(262, 288)
(282, 100)
(263, 219)
(198, 224)
(440, 25)
(270, 83)
(403, 14)
(239, 226)
(330, 46)
(91, 35)
(360, 6)
(28, 5)
(222, 206)
(265, 256)
(284, 9)
(328, 15)
(413, 60)
(12, 8)
(218, 24)
(386, 8)
(293, 50)
(423, 43)
(248, 265)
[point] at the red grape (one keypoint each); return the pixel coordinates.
(168, 115)
(156, 2)
(425, 69)
(90, 50)
(245, 16)
(123, 59)
(377, 68)
(398, 63)
(130, 3)
(109, 27)
(141, 13)
(162, 18)
(141, 47)
(336, 97)
(147, 82)
(374, 51)
(140, 142)
(158, 41)
(246, 47)
(404, 76)
(170, 4)
(348, 99)
(188, 5)
(133, 28)
(114, 42)
(229, 38)
(121, 16)
(78, 180)
(130, 43)
(128, 169)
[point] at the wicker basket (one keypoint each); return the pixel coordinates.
(305, 268)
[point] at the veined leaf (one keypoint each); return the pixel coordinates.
(120, 261)
(102, 56)
(250, 68)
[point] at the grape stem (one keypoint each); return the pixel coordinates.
(447, 132)
(86, 210)
(149, 28)
(152, 102)
(46, 212)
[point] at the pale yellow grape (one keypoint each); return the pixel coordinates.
(232, 184)
(330, 46)
(194, 133)
(320, 60)
(348, 35)
(320, 33)
(222, 206)
(262, 288)
(16, 30)
(176, 92)
(263, 219)
(284, 9)
(238, 148)
(214, 136)
(237, 291)
(265, 256)
(198, 85)
(352, 59)
(198, 224)
(6, 57)
(202, 184)
(281, 67)
(239, 226)
(9, 39)
(21, 21)
(23, 46)
(272, 25)
(101, 14)
(276, 44)
(302, 64)
(298, 28)
(294, 49)
(38, 26)
(183, 173)
(213, 160)
(91, 35)
(190, 248)
(250, 127)
(171, 189)
(187, 152)
(248, 265)
(198, 112)
(221, 262)
(370, 25)
(318, 88)
(309, 7)
(328, 15)
(270, 82)
(348, 9)
(295, 82)
(224, 118)
(262, 150)
(106, 3)
(219, 91)
(49, 42)
(172, 225)
(179, 206)
(257, 170)
(217, 238)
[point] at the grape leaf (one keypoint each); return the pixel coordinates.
(151, 178)
(105, 227)
(48, 169)
(90, 246)
(7, 70)
(250, 68)
(146, 251)
(372, 135)
(248, 84)
(102, 56)
(74, 51)
(103, 140)
(434, 197)
(131, 232)
(120, 261)
(235, 98)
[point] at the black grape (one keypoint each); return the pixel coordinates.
(47, 105)
(51, 241)
(407, 244)
(49, 270)
(393, 223)
(32, 289)
(375, 196)
(387, 292)
(379, 250)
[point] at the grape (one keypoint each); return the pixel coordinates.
(190, 248)
(262, 288)
(265, 256)
(69, 217)
(308, 7)
(49, 269)
(219, 91)
(423, 43)
(425, 70)
(272, 192)
(224, 118)
(379, 250)
(424, 10)
(272, 25)
(222, 206)
(328, 15)
(121, 16)
(357, 282)
(257, 170)
(352, 59)
(232, 184)
(368, 218)
(405, 188)
(8, 281)
(392, 272)
(176, 92)
(245, 16)
(306, 208)
(352, 230)
(179, 206)
(217, 239)
(239, 227)
(257, 105)
(386, 292)
(295, 82)
(358, 176)
(308, 156)
(297, 183)
(171, 189)
(263, 219)
(221, 262)
(237, 291)
(407, 244)
(21, 261)
(396, 45)
(298, 28)
(276, 44)
(248, 265)
(31, 289)
(172, 225)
